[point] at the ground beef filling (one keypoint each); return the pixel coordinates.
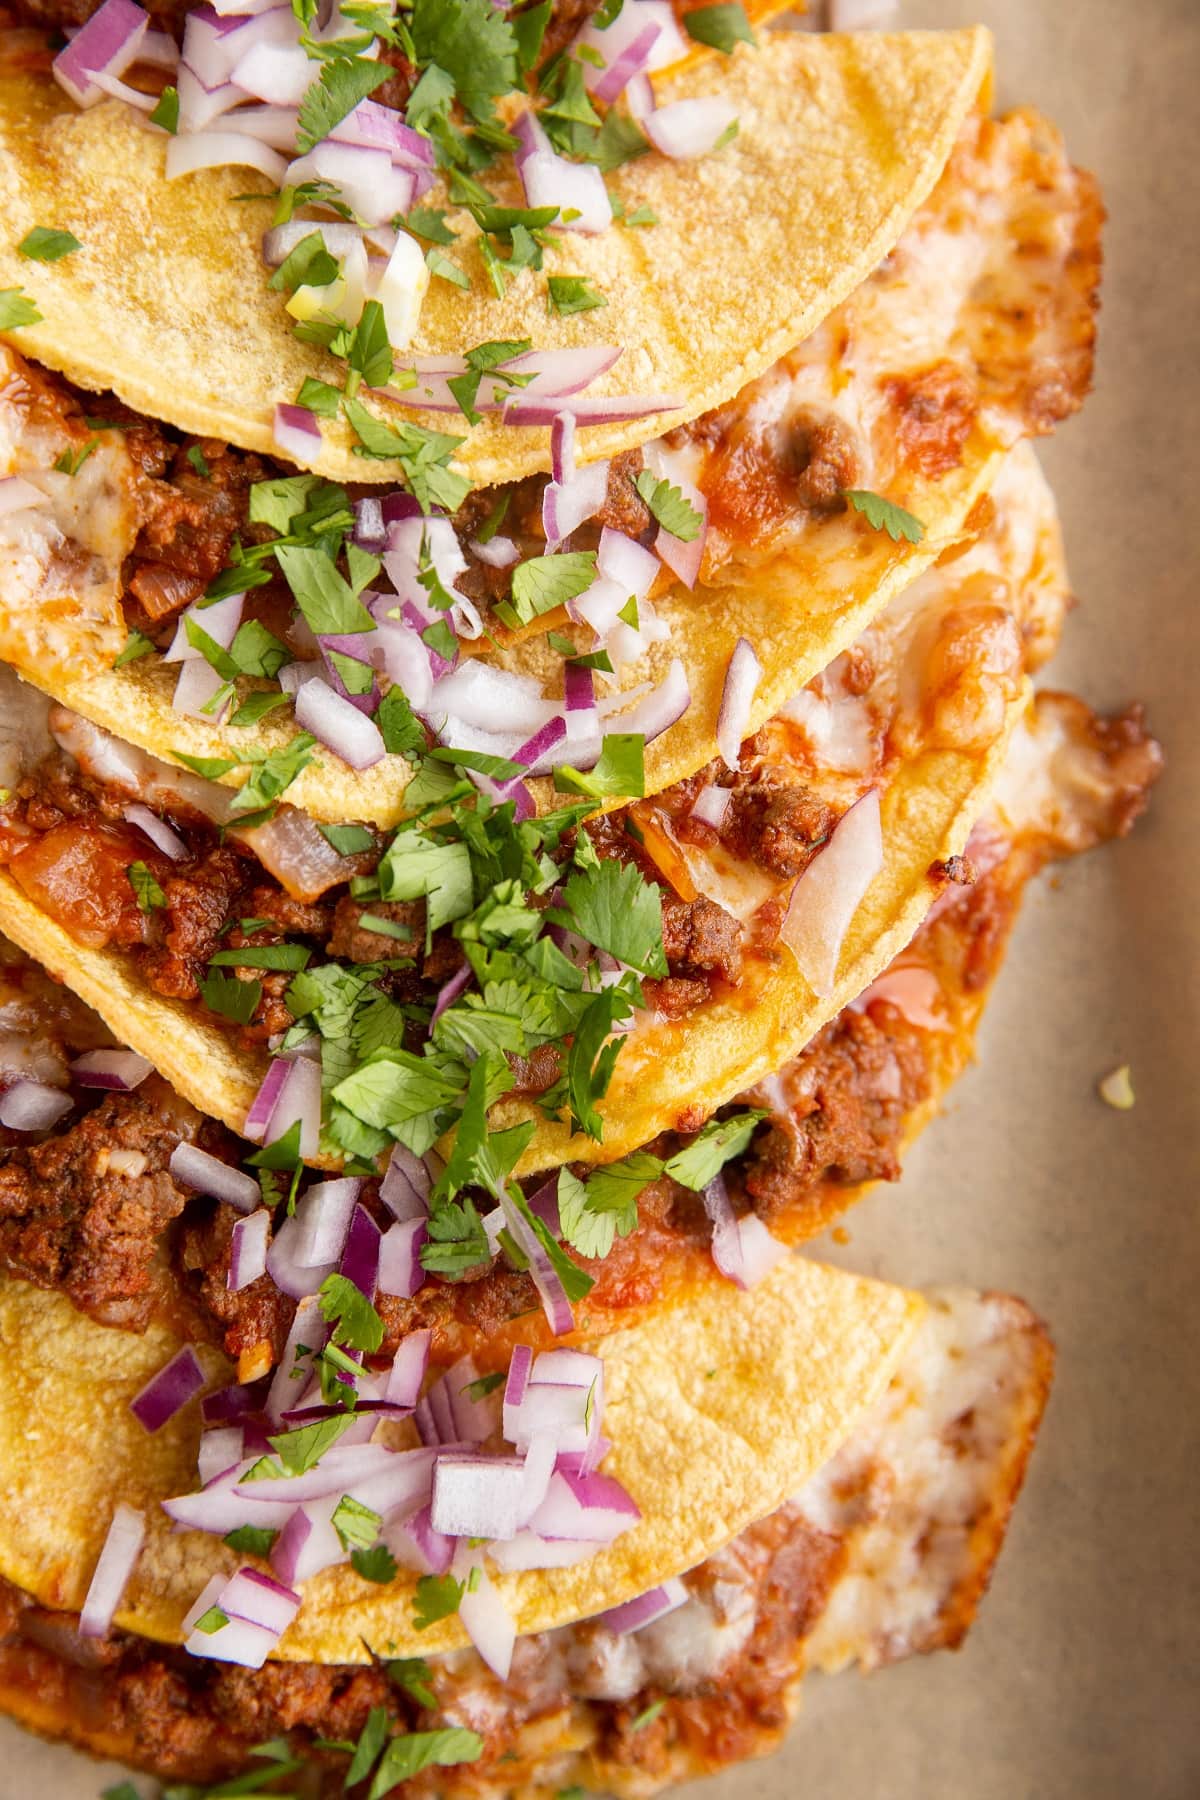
(183, 1719)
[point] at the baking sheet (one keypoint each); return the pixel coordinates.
(1079, 1681)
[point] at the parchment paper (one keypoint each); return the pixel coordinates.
(1079, 1681)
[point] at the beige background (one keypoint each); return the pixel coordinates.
(1080, 1681)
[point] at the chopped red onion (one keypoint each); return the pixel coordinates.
(219, 1451)
(248, 1250)
(545, 1278)
(550, 180)
(297, 433)
(684, 558)
(121, 1070)
(382, 128)
(497, 553)
(408, 663)
(450, 990)
(107, 44)
(415, 1544)
(660, 709)
(538, 753)
(590, 1508)
(562, 447)
(830, 891)
(360, 1258)
(655, 1604)
(222, 149)
(760, 1250)
(118, 1559)
(219, 1507)
(477, 1496)
(259, 1600)
(627, 563)
(528, 1551)
(610, 409)
(159, 50)
(726, 1239)
(406, 1182)
(340, 1469)
(158, 831)
(539, 1463)
(121, 90)
(737, 697)
(689, 128)
(308, 1542)
(279, 73)
(711, 805)
(196, 1168)
(196, 690)
(519, 1370)
(263, 1103)
(299, 1100)
(294, 1368)
(492, 699)
(486, 1620)
(367, 178)
(669, 46)
(32, 1106)
(339, 725)
(200, 104)
(236, 1642)
(370, 532)
(213, 46)
(219, 621)
(565, 505)
(165, 1393)
(628, 60)
(404, 1378)
(296, 852)
(233, 1402)
(325, 1214)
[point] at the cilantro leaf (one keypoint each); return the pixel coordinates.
(721, 1139)
(573, 294)
(577, 1284)
(592, 1213)
(529, 29)
(146, 889)
(615, 909)
(376, 1564)
(319, 397)
(407, 1756)
(416, 867)
(358, 1324)
(720, 27)
(17, 309)
(325, 598)
(457, 1241)
(166, 110)
(446, 269)
(309, 263)
(233, 999)
(347, 840)
(648, 1717)
(429, 222)
(541, 583)
(301, 1450)
(885, 515)
(414, 1675)
(593, 1057)
(262, 956)
(343, 83)
(620, 768)
(437, 1597)
(667, 504)
(472, 43)
(356, 1525)
(371, 1740)
(44, 244)
(423, 455)
(251, 1540)
(212, 1621)
(136, 645)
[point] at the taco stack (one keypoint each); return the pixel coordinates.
(522, 571)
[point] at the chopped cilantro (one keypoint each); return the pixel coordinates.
(529, 29)
(166, 112)
(712, 1147)
(472, 44)
(423, 455)
(402, 732)
(146, 890)
(44, 244)
(356, 1525)
(573, 294)
(487, 1384)
(212, 1621)
(347, 840)
(343, 83)
(592, 1213)
(301, 1450)
(414, 1675)
(71, 461)
(17, 309)
(619, 769)
(376, 1564)
(720, 27)
(319, 397)
(437, 1598)
(262, 956)
(257, 706)
(329, 604)
(357, 1322)
(137, 644)
(668, 506)
(124, 1790)
(429, 222)
(407, 1756)
(233, 999)
(885, 515)
(446, 269)
(309, 263)
(372, 1738)
(251, 1540)
(541, 583)
(613, 908)
(199, 461)
(648, 1717)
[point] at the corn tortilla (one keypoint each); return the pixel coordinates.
(795, 1363)
(167, 302)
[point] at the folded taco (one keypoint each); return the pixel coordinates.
(834, 1431)
(833, 448)
(567, 988)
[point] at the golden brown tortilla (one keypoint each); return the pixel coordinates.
(840, 140)
(794, 1363)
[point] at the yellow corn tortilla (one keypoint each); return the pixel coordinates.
(700, 1061)
(840, 140)
(794, 1363)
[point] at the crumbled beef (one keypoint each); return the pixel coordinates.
(352, 941)
(189, 521)
(254, 1315)
(199, 902)
(850, 1094)
(623, 509)
(935, 412)
(700, 936)
(534, 1073)
(824, 459)
(675, 997)
(71, 1220)
(775, 823)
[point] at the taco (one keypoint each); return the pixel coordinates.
(800, 493)
(735, 933)
(624, 1698)
(98, 1204)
